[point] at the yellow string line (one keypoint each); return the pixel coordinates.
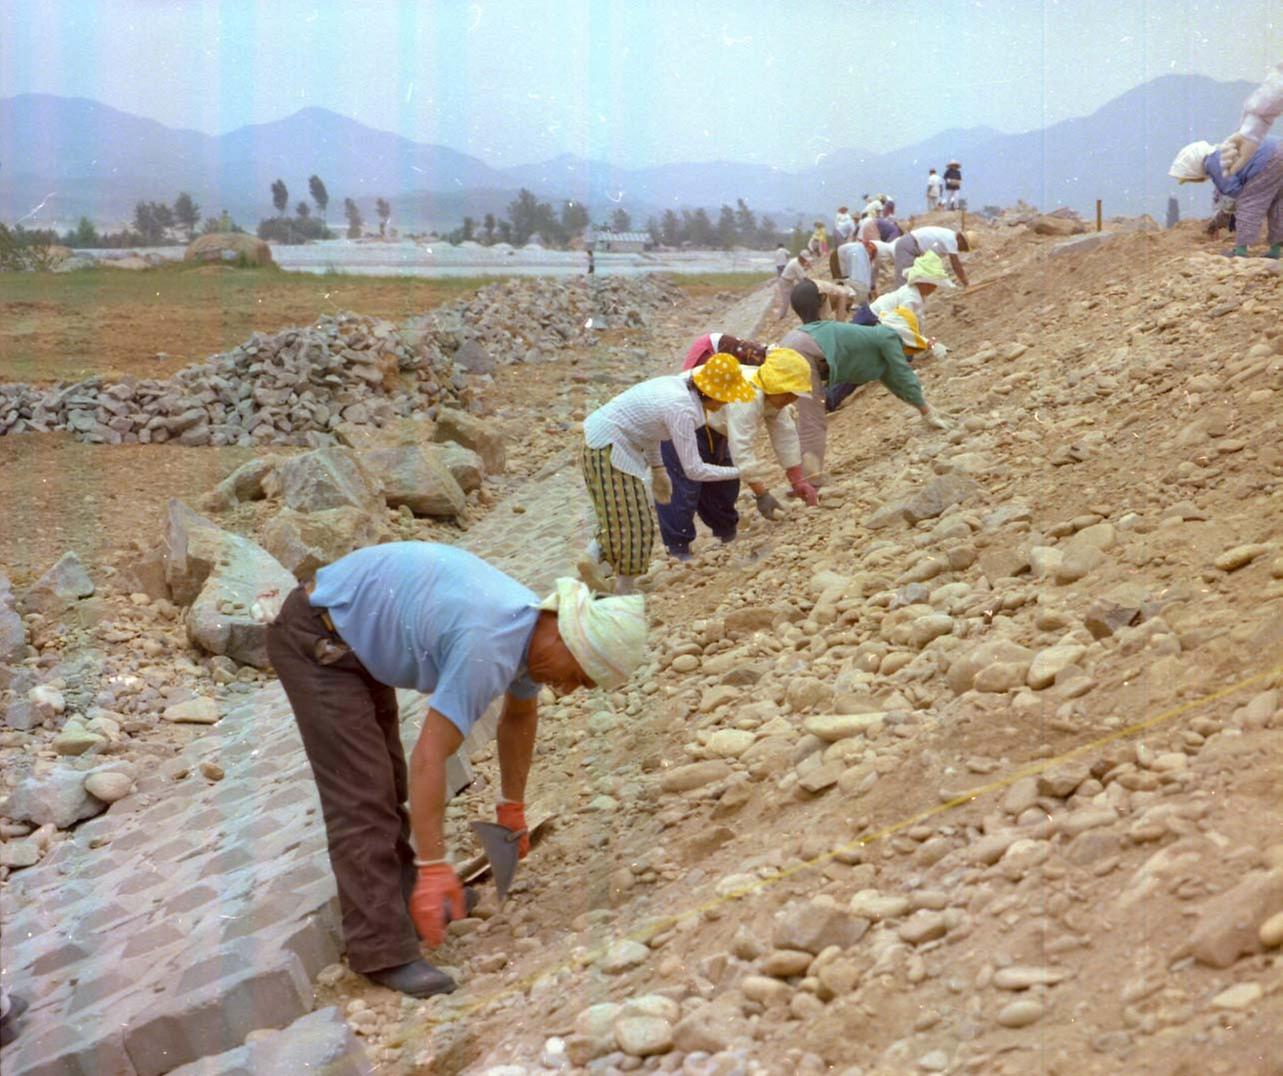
(1028, 770)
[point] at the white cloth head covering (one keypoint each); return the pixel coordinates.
(607, 636)
(1188, 165)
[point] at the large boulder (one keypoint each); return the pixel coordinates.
(58, 796)
(219, 619)
(59, 588)
(473, 433)
(467, 467)
(245, 483)
(330, 477)
(1051, 225)
(193, 548)
(305, 541)
(220, 574)
(236, 248)
(417, 479)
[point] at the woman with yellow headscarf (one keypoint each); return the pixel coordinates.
(728, 439)
(621, 450)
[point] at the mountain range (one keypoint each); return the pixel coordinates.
(74, 157)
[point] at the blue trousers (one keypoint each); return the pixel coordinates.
(714, 502)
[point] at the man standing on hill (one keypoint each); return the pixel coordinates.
(934, 183)
(952, 184)
(439, 620)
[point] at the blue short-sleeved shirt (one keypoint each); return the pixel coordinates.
(434, 618)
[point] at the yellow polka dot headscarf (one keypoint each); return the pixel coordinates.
(722, 379)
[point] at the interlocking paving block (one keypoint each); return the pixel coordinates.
(66, 1049)
(215, 1017)
(320, 1042)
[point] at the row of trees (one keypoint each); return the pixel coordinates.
(303, 225)
(527, 218)
(154, 223)
(530, 218)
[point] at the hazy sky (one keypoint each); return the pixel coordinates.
(637, 82)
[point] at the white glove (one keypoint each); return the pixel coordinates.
(939, 350)
(935, 421)
(661, 484)
(267, 607)
(1236, 151)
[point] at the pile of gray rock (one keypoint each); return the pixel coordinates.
(298, 385)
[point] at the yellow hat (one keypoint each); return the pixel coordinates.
(722, 379)
(784, 370)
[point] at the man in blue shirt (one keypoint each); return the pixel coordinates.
(444, 622)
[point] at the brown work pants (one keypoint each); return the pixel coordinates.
(351, 733)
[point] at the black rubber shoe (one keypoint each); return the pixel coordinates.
(418, 979)
(9, 1021)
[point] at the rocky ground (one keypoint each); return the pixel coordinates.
(973, 769)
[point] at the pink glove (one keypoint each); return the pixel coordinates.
(437, 900)
(802, 488)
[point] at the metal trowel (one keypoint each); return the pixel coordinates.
(500, 846)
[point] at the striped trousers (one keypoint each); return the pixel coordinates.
(1261, 200)
(625, 522)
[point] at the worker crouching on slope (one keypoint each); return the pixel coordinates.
(1257, 189)
(840, 353)
(903, 310)
(444, 622)
(727, 439)
(622, 441)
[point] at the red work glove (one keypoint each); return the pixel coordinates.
(513, 816)
(436, 901)
(802, 488)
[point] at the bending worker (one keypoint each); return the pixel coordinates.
(621, 447)
(444, 622)
(794, 273)
(1257, 190)
(728, 439)
(904, 311)
(839, 353)
(944, 241)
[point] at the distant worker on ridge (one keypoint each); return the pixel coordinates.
(934, 185)
(952, 184)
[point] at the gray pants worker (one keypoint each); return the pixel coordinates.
(351, 732)
(906, 249)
